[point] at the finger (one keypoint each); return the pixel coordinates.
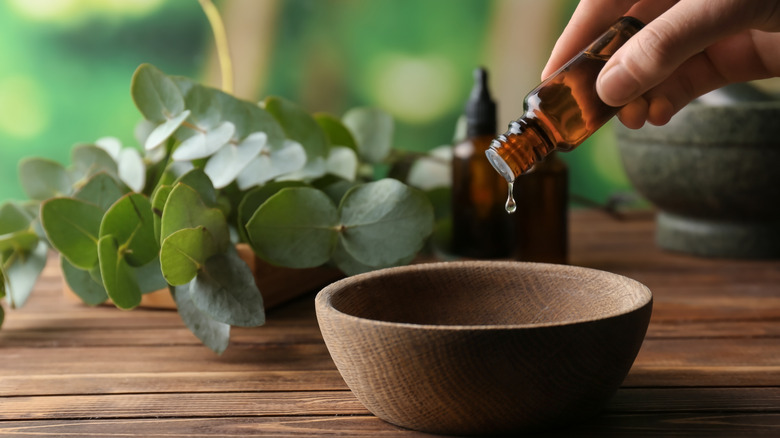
(734, 59)
(589, 20)
(634, 114)
(656, 51)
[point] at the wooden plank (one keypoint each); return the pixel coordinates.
(655, 400)
(162, 358)
(167, 382)
(228, 426)
(180, 405)
(704, 425)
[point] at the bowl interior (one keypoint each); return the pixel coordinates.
(487, 294)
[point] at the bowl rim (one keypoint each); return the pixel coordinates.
(323, 300)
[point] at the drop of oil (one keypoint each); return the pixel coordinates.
(511, 205)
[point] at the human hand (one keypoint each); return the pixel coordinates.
(687, 48)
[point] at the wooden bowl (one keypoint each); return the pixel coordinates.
(482, 347)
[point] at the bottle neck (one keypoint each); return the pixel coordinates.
(517, 151)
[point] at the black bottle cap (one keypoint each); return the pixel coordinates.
(480, 108)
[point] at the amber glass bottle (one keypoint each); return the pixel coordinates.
(563, 110)
(480, 226)
(541, 225)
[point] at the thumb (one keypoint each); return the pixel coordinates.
(657, 50)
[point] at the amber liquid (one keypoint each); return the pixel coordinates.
(480, 224)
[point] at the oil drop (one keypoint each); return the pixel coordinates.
(511, 205)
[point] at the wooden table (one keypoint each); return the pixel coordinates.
(710, 365)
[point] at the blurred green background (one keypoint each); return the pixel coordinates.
(66, 65)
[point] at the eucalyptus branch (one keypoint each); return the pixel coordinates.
(220, 39)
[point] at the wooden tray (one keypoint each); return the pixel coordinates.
(276, 284)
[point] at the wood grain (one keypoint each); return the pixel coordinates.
(709, 366)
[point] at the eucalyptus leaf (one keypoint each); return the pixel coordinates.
(82, 284)
(226, 291)
(342, 162)
(155, 94)
(186, 209)
(272, 163)
(149, 276)
(314, 168)
(16, 230)
(336, 132)
(432, 171)
(297, 227)
(205, 106)
(72, 227)
(350, 266)
(223, 167)
(43, 179)
(132, 170)
(111, 145)
(184, 253)
(213, 334)
(254, 198)
(89, 160)
(101, 190)
(300, 126)
(131, 224)
(23, 272)
(159, 198)
(201, 183)
(250, 118)
(164, 131)
(118, 277)
(372, 129)
(204, 144)
(371, 212)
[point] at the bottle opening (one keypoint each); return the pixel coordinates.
(500, 165)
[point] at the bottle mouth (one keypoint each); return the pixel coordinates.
(499, 164)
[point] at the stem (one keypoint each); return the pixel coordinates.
(220, 39)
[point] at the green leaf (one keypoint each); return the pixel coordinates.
(204, 144)
(335, 131)
(299, 125)
(89, 160)
(384, 221)
(101, 190)
(131, 224)
(22, 273)
(342, 162)
(184, 253)
(254, 198)
(250, 118)
(297, 228)
(164, 131)
(159, 198)
(223, 167)
(16, 231)
(226, 291)
(213, 334)
(132, 170)
(271, 163)
(43, 179)
(81, 282)
(155, 94)
(150, 278)
(205, 105)
(200, 182)
(185, 209)
(373, 132)
(72, 227)
(350, 266)
(118, 277)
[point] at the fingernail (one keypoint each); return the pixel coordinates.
(616, 86)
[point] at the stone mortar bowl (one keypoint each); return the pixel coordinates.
(713, 172)
(484, 347)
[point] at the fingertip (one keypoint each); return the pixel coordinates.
(634, 114)
(660, 111)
